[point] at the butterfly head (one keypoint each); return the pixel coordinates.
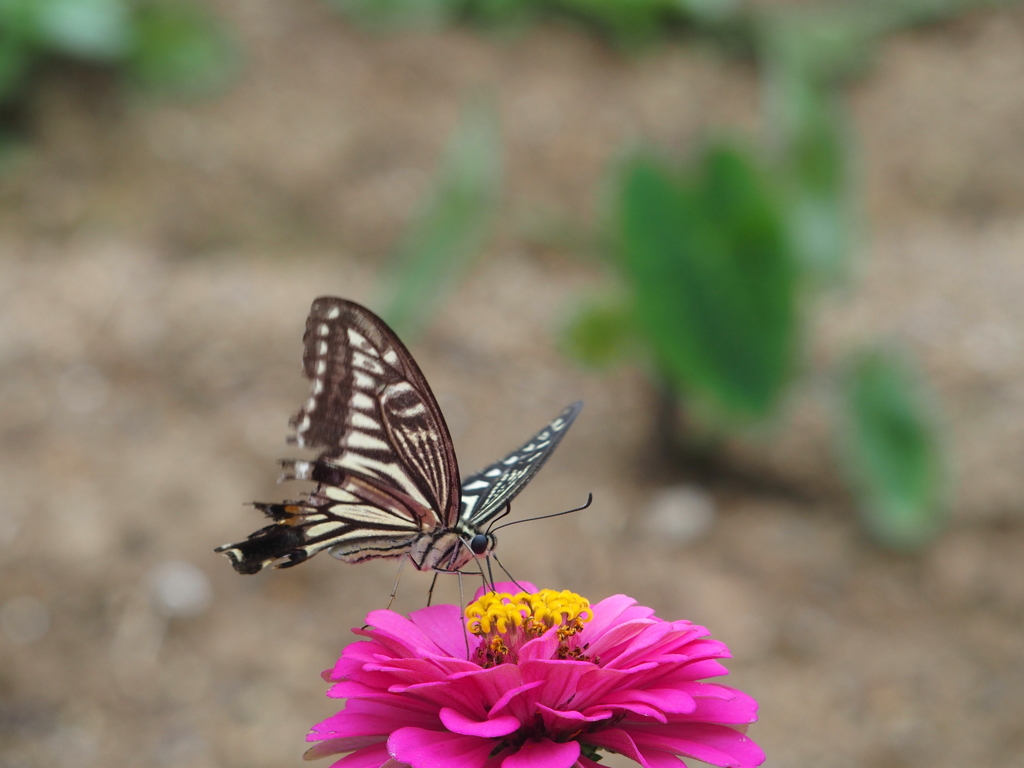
(483, 544)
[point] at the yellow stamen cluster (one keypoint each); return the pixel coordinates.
(534, 614)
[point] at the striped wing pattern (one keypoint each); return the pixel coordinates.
(486, 493)
(387, 470)
(371, 410)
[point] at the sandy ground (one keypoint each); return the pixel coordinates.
(156, 264)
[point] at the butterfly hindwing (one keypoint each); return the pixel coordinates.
(355, 525)
(485, 494)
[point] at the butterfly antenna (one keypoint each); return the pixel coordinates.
(398, 578)
(511, 577)
(590, 499)
(508, 509)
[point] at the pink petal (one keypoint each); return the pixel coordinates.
(370, 757)
(472, 693)
(337, 746)
(557, 722)
(641, 645)
(544, 754)
(507, 586)
(656, 758)
(613, 611)
(586, 762)
(396, 708)
(702, 648)
(639, 710)
(353, 690)
(365, 717)
(715, 744)
(542, 647)
(561, 678)
(677, 675)
(443, 625)
(597, 683)
(492, 728)
(517, 702)
(344, 724)
(417, 670)
(399, 635)
(443, 694)
(489, 685)
(725, 705)
(606, 614)
(672, 701)
(609, 645)
(349, 688)
(421, 748)
(354, 658)
(616, 740)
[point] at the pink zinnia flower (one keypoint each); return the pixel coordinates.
(548, 682)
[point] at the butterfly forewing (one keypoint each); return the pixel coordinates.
(386, 472)
(485, 494)
(370, 409)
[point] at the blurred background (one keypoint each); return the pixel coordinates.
(775, 246)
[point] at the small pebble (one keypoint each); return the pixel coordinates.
(679, 514)
(180, 590)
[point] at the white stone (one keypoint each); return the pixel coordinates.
(679, 514)
(180, 589)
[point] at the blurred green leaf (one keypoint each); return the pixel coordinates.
(96, 30)
(455, 225)
(502, 11)
(626, 19)
(181, 48)
(15, 60)
(400, 13)
(892, 451)
(600, 332)
(711, 11)
(715, 286)
(816, 166)
(17, 19)
(834, 41)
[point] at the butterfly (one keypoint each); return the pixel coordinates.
(387, 476)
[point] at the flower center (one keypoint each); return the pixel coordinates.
(506, 622)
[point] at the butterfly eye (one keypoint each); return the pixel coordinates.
(479, 544)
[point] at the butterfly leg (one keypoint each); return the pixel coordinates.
(480, 568)
(430, 592)
(462, 613)
(398, 578)
(490, 572)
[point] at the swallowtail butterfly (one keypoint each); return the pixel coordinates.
(387, 477)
